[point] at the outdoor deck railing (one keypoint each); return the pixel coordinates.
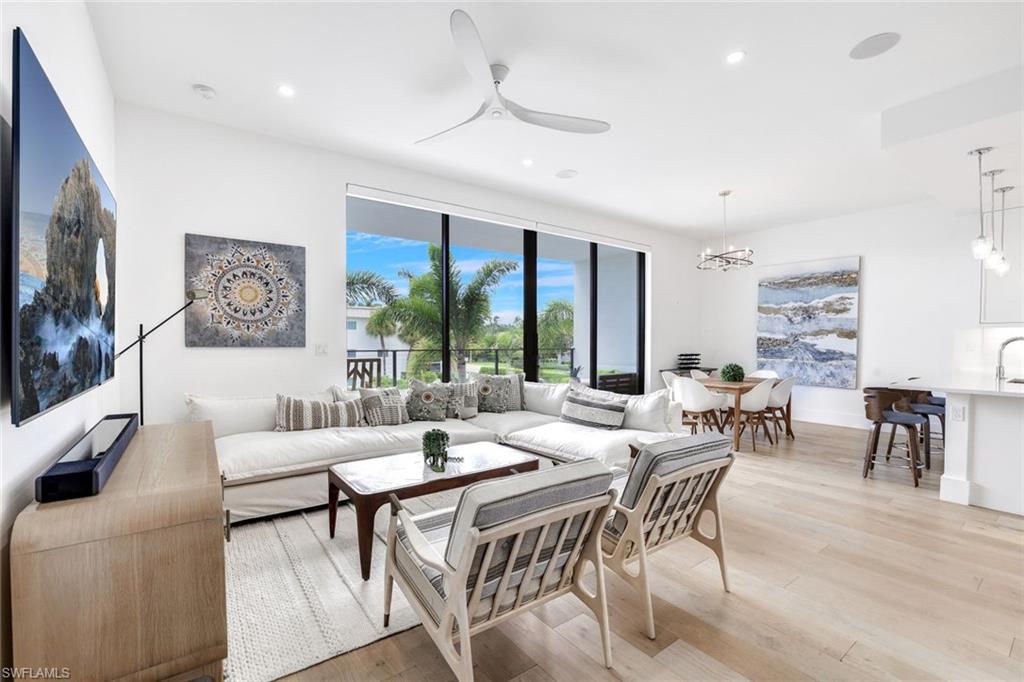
(389, 356)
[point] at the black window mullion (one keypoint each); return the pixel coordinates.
(593, 314)
(531, 344)
(641, 320)
(446, 342)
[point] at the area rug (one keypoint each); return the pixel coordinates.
(296, 597)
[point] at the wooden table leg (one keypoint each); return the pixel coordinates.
(789, 418)
(332, 506)
(366, 509)
(736, 422)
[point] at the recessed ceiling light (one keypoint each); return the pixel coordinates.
(527, 162)
(204, 91)
(285, 90)
(567, 173)
(735, 57)
(874, 45)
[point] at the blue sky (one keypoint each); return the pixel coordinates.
(388, 255)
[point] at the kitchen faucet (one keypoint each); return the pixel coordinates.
(1000, 370)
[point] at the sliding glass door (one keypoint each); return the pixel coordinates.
(433, 296)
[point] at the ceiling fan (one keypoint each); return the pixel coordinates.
(489, 78)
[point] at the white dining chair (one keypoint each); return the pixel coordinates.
(778, 399)
(668, 376)
(752, 407)
(698, 374)
(764, 374)
(700, 404)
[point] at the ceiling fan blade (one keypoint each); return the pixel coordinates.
(569, 124)
(471, 49)
(437, 137)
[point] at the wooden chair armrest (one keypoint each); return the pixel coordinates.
(421, 547)
(619, 508)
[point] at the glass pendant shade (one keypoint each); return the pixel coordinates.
(992, 259)
(1002, 267)
(981, 247)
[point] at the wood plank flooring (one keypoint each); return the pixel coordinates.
(833, 577)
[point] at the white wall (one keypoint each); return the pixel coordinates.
(61, 36)
(180, 175)
(919, 300)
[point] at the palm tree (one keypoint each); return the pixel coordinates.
(419, 313)
(555, 326)
(367, 288)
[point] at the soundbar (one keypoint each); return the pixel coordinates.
(84, 469)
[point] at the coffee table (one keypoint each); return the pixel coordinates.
(369, 482)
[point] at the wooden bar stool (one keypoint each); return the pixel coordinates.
(884, 406)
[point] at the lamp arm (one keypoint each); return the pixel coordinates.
(143, 337)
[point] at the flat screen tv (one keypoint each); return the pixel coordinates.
(65, 226)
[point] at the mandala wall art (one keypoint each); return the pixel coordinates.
(257, 293)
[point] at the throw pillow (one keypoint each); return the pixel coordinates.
(428, 402)
(384, 406)
(464, 402)
(298, 414)
(544, 398)
(493, 392)
(597, 409)
(341, 393)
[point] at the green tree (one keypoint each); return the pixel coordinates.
(419, 313)
(368, 288)
(555, 326)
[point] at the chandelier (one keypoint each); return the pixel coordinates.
(985, 247)
(730, 257)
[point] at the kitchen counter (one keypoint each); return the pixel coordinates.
(984, 440)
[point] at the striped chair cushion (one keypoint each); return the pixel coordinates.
(597, 409)
(671, 455)
(298, 414)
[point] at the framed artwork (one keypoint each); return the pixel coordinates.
(64, 251)
(257, 293)
(807, 316)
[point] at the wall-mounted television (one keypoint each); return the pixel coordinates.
(64, 248)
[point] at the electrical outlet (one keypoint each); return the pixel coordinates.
(320, 350)
(959, 413)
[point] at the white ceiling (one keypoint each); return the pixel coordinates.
(793, 130)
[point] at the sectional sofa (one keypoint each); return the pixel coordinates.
(269, 472)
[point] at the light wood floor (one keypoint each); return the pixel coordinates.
(833, 577)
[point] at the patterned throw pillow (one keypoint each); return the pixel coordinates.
(297, 414)
(428, 402)
(500, 393)
(597, 409)
(464, 402)
(384, 406)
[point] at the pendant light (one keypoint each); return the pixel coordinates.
(992, 257)
(982, 245)
(730, 257)
(1002, 266)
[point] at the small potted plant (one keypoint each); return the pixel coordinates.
(435, 449)
(732, 372)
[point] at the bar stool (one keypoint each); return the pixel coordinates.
(920, 402)
(884, 406)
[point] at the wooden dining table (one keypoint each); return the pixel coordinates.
(738, 388)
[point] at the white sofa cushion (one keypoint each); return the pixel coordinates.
(263, 455)
(241, 415)
(544, 398)
(507, 422)
(650, 412)
(571, 442)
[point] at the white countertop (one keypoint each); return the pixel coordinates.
(968, 382)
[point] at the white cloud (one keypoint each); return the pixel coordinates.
(556, 281)
(555, 266)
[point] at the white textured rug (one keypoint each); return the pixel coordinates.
(295, 597)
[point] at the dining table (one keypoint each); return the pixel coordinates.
(738, 388)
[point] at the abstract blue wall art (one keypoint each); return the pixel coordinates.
(807, 316)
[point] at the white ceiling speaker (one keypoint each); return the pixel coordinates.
(489, 78)
(204, 90)
(874, 46)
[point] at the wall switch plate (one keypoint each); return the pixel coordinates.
(959, 413)
(320, 350)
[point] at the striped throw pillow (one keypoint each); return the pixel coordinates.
(598, 409)
(298, 414)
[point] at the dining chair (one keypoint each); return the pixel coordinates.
(509, 545)
(699, 404)
(668, 376)
(671, 486)
(764, 374)
(885, 406)
(778, 399)
(699, 374)
(752, 406)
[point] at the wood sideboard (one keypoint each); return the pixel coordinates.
(128, 584)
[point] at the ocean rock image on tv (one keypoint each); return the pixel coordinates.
(66, 232)
(807, 321)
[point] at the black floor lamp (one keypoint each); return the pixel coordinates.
(192, 295)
